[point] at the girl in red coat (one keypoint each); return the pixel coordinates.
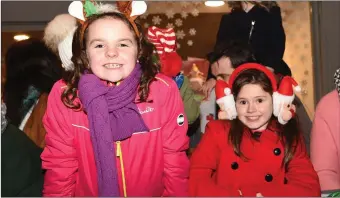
(254, 154)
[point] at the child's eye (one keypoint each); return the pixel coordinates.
(243, 102)
(99, 46)
(260, 100)
(123, 45)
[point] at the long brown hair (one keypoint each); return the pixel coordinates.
(289, 134)
(79, 58)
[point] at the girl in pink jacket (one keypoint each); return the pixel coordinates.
(325, 139)
(115, 127)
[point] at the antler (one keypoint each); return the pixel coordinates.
(132, 9)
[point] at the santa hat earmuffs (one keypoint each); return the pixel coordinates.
(165, 42)
(225, 97)
(284, 94)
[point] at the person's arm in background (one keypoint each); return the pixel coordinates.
(191, 106)
(324, 142)
(278, 36)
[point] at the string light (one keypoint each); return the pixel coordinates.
(21, 37)
(214, 3)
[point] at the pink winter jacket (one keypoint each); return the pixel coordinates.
(325, 141)
(150, 163)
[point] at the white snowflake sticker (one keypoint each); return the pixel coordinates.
(198, 3)
(184, 4)
(190, 42)
(178, 22)
(170, 25)
(144, 16)
(170, 14)
(192, 31)
(195, 12)
(184, 14)
(146, 25)
(178, 46)
(156, 20)
(180, 34)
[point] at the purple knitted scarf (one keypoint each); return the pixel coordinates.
(113, 116)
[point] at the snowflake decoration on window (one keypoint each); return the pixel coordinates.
(178, 46)
(184, 4)
(170, 25)
(197, 3)
(190, 42)
(170, 14)
(178, 22)
(192, 31)
(156, 20)
(184, 14)
(180, 34)
(195, 12)
(144, 16)
(146, 25)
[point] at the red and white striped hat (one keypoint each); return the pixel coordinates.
(163, 39)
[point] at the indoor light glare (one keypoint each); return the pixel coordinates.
(21, 37)
(214, 3)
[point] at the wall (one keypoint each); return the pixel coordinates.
(298, 54)
(326, 45)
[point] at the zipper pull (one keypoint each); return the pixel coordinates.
(251, 30)
(119, 149)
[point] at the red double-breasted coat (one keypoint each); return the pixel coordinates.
(217, 171)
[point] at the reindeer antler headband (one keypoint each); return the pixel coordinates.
(131, 9)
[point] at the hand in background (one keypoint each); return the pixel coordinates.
(208, 86)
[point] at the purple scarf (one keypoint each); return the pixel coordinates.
(113, 116)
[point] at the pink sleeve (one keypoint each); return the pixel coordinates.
(59, 155)
(175, 144)
(324, 152)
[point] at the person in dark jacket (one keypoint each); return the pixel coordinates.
(21, 172)
(260, 25)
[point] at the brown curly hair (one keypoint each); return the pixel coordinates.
(80, 61)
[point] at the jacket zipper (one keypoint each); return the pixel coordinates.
(120, 155)
(251, 30)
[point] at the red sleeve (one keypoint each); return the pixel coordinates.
(204, 161)
(302, 180)
(175, 144)
(59, 155)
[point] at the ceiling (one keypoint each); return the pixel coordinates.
(34, 15)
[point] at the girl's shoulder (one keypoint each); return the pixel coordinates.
(162, 80)
(59, 86)
(218, 127)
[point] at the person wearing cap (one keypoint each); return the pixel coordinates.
(259, 151)
(31, 71)
(58, 36)
(325, 139)
(164, 41)
(260, 25)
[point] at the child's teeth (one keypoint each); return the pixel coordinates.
(113, 65)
